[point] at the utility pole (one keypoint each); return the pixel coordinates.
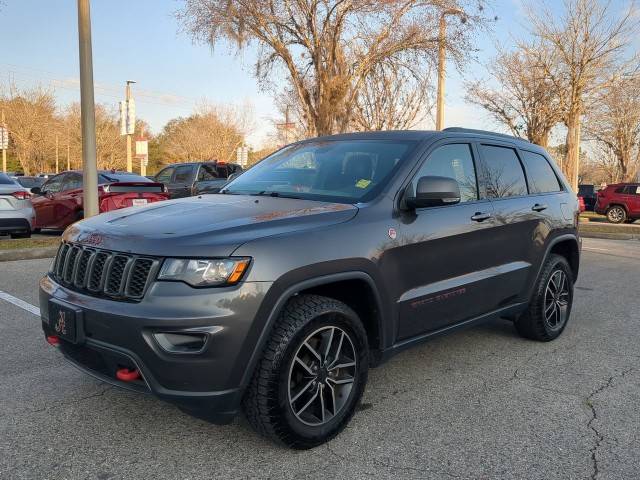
(442, 37)
(4, 132)
(57, 156)
(68, 157)
(87, 112)
(286, 126)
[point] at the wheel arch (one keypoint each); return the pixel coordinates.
(334, 286)
(567, 246)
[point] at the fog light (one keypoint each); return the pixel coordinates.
(181, 342)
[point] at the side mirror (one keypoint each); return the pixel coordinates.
(434, 191)
(233, 176)
(36, 191)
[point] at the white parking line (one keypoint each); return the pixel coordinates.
(19, 303)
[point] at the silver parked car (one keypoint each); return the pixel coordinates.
(16, 211)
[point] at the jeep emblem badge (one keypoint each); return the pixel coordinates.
(392, 233)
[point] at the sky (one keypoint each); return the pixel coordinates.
(141, 40)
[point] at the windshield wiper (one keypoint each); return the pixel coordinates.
(267, 193)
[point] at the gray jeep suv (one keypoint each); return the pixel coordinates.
(276, 295)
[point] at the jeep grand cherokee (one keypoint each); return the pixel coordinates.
(276, 296)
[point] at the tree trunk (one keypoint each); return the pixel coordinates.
(572, 158)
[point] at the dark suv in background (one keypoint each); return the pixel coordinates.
(187, 179)
(328, 257)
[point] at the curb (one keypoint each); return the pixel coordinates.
(27, 253)
(610, 236)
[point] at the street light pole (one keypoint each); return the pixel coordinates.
(87, 112)
(442, 37)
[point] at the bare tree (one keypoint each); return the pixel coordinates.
(588, 42)
(614, 122)
(524, 99)
(110, 145)
(212, 133)
(328, 48)
(32, 121)
(393, 97)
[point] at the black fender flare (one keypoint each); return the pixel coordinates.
(293, 289)
(554, 241)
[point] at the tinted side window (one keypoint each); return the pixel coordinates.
(502, 175)
(453, 161)
(165, 175)
(619, 190)
(72, 182)
(54, 185)
(541, 177)
(183, 174)
(207, 172)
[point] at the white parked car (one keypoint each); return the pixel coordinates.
(16, 212)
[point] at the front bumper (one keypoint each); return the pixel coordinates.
(114, 334)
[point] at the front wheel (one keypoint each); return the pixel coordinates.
(312, 374)
(616, 214)
(550, 306)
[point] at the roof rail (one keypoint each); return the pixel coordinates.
(483, 132)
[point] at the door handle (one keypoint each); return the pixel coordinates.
(538, 207)
(480, 216)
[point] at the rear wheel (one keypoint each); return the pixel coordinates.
(313, 372)
(550, 306)
(616, 214)
(21, 235)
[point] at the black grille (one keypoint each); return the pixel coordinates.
(104, 273)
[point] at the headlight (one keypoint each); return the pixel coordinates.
(204, 273)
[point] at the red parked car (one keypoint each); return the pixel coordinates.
(620, 202)
(58, 203)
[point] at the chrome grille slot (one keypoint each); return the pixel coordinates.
(103, 273)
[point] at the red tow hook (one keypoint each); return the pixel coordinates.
(53, 340)
(127, 375)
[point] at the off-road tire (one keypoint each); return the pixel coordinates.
(531, 324)
(266, 402)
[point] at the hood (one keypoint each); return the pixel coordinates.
(208, 226)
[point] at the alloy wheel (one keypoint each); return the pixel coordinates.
(556, 300)
(616, 214)
(321, 375)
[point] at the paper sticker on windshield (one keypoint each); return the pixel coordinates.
(362, 183)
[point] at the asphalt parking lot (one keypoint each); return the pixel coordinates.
(481, 403)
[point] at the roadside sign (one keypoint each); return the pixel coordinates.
(123, 118)
(243, 156)
(142, 148)
(127, 117)
(4, 137)
(131, 116)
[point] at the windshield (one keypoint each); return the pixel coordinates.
(30, 182)
(343, 171)
(122, 177)
(5, 180)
